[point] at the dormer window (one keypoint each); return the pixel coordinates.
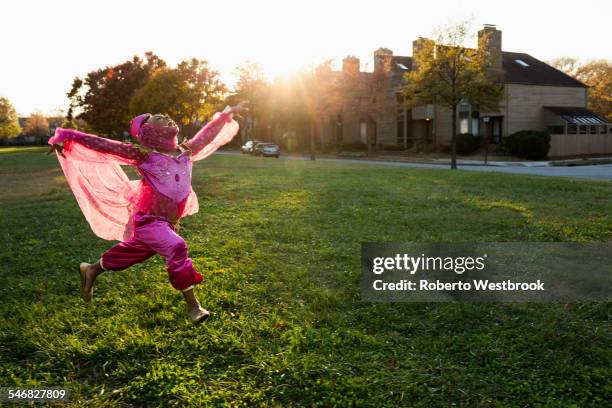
(521, 63)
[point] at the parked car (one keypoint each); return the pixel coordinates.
(247, 147)
(266, 150)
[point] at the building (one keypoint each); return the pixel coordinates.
(536, 96)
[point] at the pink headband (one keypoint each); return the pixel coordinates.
(158, 137)
(136, 123)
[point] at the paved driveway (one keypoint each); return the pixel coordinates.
(597, 172)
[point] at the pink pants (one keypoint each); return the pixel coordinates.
(154, 235)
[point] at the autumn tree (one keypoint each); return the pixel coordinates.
(331, 93)
(448, 73)
(37, 125)
(9, 125)
(254, 87)
(598, 76)
(300, 98)
(102, 98)
(311, 92)
(189, 93)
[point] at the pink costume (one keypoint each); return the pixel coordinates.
(141, 213)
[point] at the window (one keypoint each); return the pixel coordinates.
(463, 125)
(572, 129)
(475, 123)
(475, 126)
(364, 132)
(464, 117)
(583, 129)
(339, 129)
(593, 129)
(521, 63)
(603, 129)
(496, 124)
(400, 127)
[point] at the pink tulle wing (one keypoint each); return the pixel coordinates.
(102, 189)
(192, 206)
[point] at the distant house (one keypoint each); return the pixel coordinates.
(536, 96)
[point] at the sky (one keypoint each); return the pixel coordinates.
(46, 44)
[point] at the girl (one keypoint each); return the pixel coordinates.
(143, 214)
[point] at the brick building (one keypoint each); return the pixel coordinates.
(536, 96)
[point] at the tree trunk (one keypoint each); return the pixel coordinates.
(454, 140)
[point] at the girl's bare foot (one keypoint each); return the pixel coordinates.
(89, 273)
(197, 314)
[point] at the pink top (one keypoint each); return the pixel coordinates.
(168, 185)
(108, 199)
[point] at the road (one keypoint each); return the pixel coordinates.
(596, 172)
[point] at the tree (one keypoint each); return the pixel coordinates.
(448, 73)
(189, 93)
(313, 92)
(598, 76)
(341, 93)
(37, 125)
(103, 97)
(254, 87)
(568, 65)
(9, 125)
(301, 98)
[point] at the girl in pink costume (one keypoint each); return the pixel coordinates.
(143, 214)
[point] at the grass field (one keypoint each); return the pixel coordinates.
(278, 243)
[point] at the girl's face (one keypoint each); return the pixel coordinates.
(159, 132)
(161, 120)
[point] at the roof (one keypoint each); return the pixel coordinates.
(535, 72)
(576, 115)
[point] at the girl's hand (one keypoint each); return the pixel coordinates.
(58, 148)
(242, 107)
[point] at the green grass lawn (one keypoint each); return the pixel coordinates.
(278, 243)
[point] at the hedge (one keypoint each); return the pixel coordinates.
(528, 144)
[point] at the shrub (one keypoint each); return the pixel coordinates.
(529, 144)
(467, 143)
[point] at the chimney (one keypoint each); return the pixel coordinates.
(490, 38)
(323, 69)
(382, 60)
(350, 65)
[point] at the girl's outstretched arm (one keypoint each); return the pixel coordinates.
(219, 131)
(206, 135)
(131, 153)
